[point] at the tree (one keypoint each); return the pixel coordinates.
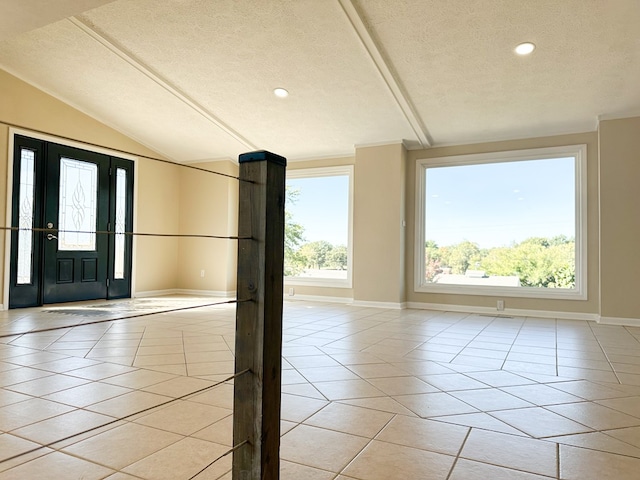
(561, 240)
(316, 253)
(338, 257)
(293, 236)
(432, 259)
(460, 257)
(538, 262)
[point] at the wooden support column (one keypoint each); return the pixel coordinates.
(256, 406)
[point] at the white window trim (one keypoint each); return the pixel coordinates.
(579, 152)
(326, 282)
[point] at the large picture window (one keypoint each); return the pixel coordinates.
(318, 229)
(508, 224)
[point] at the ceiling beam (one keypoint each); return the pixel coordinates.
(160, 80)
(398, 92)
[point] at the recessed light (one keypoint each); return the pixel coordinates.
(525, 48)
(280, 92)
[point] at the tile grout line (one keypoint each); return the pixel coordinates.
(114, 421)
(515, 338)
(605, 354)
(372, 314)
(184, 354)
(455, 460)
(341, 472)
(135, 355)
(96, 342)
(474, 338)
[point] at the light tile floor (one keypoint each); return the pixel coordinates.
(367, 394)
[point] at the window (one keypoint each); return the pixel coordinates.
(120, 224)
(508, 224)
(26, 207)
(318, 229)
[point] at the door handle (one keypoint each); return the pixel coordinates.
(51, 236)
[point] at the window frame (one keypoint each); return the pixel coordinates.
(578, 152)
(318, 172)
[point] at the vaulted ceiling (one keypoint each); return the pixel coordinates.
(194, 79)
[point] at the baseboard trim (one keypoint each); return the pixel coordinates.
(511, 312)
(183, 291)
(627, 322)
(389, 305)
(445, 307)
(318, 298)
(206, 293)
(155, 293)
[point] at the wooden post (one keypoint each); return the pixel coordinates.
(256, 406)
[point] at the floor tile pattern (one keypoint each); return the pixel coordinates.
(133, 391)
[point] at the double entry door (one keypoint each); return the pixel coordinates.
(72, 207)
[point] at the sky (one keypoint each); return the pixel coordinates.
(497, 204)
(322, 208)
(493, 204)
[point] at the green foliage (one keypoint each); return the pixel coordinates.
(298, 255)
(461, 257)
(338, 257)
(432, 259)
(536, 261)
(316, 253)
(293, 236)
(293, 233)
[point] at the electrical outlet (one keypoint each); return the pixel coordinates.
(500, 305)
(292, 292)
(201, 273)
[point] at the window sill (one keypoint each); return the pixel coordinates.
(318, 282)
(520, 292)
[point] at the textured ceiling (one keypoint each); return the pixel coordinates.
(193, 79)
(17, 16)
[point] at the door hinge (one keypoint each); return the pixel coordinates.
(110, 171)
(107, 282)
(109, 227)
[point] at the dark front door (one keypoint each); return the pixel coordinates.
(73, 208)
(76, 207)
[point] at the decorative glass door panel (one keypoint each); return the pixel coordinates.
(78, 205)
(26, 208)
(120, 223)
(121, 218)
(25, 268)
